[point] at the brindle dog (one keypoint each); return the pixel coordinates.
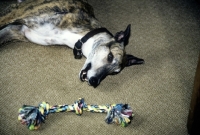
(71, 23)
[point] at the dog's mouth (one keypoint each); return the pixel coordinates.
(83, 74)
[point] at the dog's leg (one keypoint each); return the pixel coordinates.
(11, 32)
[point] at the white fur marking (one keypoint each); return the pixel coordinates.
(48, 34)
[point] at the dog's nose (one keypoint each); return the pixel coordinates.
(94, 82)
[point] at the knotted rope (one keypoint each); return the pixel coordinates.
(32, 116)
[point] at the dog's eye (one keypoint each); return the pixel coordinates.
(110, 57)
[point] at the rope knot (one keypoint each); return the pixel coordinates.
(78, 106)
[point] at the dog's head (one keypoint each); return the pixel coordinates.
(108, 58)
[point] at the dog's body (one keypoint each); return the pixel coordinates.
(65, 22)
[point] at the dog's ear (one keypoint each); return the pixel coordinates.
(123, 36)
(132, 60)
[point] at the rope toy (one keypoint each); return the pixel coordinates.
(32, 116)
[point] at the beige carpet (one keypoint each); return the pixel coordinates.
(165, 33)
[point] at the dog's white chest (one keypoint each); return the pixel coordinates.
(48, 34)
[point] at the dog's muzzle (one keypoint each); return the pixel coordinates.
(93, 81)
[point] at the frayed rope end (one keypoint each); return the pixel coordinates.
(33, 116)
(120, 114)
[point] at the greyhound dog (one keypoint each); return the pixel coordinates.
(71, 23)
